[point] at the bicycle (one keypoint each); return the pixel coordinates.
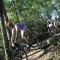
(32, 38)
(17, 52)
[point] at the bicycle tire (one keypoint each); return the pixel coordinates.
(36, 40)
(19, 55)
(33, 40)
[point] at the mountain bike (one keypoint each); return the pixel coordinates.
(32, 38)
(17, 52)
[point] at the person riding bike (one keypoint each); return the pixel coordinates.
(9, 26)
(50, 26)
(14, 48)
(49, 23)
(20, 29)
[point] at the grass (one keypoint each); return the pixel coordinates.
(1, 45)
(1, 40)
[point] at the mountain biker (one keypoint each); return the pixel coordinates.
(49, 23)
(9, 26)
(50, 27)
(14, 30)
(20, 27)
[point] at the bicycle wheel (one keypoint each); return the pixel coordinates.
(20, 55)
(33, 40)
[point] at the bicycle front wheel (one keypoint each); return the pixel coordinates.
(20, 55)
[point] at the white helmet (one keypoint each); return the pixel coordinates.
(49, 21)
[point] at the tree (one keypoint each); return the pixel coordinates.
(4, 34)
(37, 10)
(5, 14)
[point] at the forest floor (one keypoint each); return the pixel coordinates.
(51, 53)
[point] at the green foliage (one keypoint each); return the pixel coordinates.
(55, 40)
(1, 42)
(1, 54)
(32, 9)
(1, 48)
(34, 12)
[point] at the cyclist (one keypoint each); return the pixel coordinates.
(9, 25)
(20, 29)
(49, 23)
(50, 26)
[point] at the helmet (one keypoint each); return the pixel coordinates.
(49, 21)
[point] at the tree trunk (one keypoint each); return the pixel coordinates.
(5, 14)
(4, 34)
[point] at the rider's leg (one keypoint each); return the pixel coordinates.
(49, 31)
(23, 36)
(22, 33)
(56, 29)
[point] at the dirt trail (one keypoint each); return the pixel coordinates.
(38, 54)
